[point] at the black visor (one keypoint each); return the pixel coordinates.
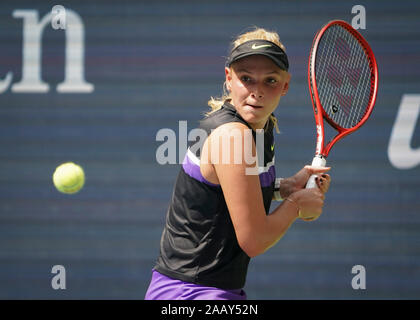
(262, 47)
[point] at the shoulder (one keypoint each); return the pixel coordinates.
(231, 135)
(231, 127)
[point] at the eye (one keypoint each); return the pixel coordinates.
(271, 80)
(245, 79)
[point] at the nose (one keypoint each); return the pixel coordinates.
(258, 91)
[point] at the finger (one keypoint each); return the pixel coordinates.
(315, 170)
(326, 179)
(323, 185)
(318, 193)
(326, 176)
(320, 182)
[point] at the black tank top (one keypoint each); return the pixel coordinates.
(198, 243)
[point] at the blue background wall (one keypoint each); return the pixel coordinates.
(152, 65)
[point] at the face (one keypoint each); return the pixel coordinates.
(256, 85)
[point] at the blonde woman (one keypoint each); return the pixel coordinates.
(218, 217)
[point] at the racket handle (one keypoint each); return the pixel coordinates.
(318, 161)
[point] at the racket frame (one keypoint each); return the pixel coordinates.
(323, 150)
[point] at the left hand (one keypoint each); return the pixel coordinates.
(323, 182)
(299, 180)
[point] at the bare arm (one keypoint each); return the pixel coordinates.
(255, 231)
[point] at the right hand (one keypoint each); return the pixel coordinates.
(299, 180)
(310, 203)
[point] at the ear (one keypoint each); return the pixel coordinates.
(228, 81)
(286, 84)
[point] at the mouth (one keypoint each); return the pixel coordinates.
(254, 106)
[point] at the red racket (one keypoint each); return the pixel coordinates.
(343, 82)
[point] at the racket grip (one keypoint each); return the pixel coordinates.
(318, 161)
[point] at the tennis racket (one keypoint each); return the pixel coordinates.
(343, 82)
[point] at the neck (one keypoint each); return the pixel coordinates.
(260, 125)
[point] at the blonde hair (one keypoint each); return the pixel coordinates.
(255, 34)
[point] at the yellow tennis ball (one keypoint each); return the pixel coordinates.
(69, 178)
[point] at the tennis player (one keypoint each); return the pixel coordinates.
(218, 217)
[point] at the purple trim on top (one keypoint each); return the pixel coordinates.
(193, 170)
(267, 178)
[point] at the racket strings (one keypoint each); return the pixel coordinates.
(343, 76)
